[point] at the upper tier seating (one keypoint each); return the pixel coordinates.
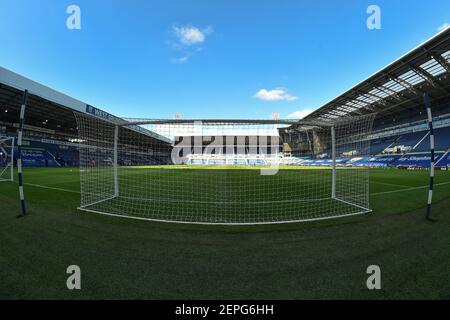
(378, 145)
(441, 141)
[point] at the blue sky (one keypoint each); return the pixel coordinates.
(209, 59)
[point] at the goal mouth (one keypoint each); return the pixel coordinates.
(216, 171)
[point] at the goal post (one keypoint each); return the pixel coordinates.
(115, 161)
(333, 163)
(224, 171)
(6, 159)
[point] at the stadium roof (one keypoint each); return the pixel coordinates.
(48, 110)
(398, 87)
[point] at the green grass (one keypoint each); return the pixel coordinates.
(123, 258)
(225, 194)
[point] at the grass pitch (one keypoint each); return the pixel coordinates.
(122, 258)
(226, 194)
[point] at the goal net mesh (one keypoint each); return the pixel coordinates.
(6, 158)
(224, 171)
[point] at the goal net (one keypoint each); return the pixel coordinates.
(224, 171)
(6, 159)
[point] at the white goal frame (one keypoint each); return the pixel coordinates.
(93, 199)
(7, 172)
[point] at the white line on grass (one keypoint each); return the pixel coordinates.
(409, 189)
(51, 188)
(390, 184)
(373, 194)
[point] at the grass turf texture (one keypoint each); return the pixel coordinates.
(225, 194)
(122, 258)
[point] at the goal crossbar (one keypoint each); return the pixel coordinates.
(214, 171)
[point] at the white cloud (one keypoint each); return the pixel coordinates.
(274, 95)
(300, 114)
(180, 60)
(444, 26)
(187, 41)
(190, 35)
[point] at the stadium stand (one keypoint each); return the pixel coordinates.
(51, 131)
(399, 136)
(444, 161)
(377, 146)
(378, 161)
(415, 160)
(442, 136)
(408, 141)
